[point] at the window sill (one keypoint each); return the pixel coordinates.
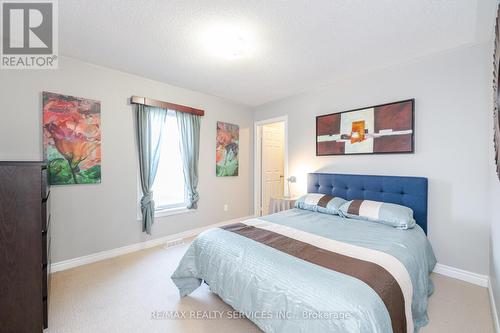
(173, 211)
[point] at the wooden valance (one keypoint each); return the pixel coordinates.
(165, 105)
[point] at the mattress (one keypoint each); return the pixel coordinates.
(303, 271)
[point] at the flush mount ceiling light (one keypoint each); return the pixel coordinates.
(227, 42)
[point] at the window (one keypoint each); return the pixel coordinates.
(169, 191)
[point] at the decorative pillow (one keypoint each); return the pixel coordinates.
(322, 203)
(394, 215)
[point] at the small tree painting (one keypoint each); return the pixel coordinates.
(72, 139)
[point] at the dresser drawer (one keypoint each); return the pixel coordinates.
(45, 293)
(45, 182)
(45, 313)
(45, 215)
(46, 244)
(49, 269)
(45, 279)
(44, 248)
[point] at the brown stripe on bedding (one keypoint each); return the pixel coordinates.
(324, 200)
(354, 207)
(379, 279)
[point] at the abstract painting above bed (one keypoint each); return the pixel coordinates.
(380, 129)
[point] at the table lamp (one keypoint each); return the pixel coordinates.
(291, 179)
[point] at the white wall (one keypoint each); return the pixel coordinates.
(452, 114)
(91, 218)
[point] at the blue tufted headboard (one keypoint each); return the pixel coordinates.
(407, 191)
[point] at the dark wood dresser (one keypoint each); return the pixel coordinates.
(24, 247)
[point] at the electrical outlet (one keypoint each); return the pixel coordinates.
(226, 207)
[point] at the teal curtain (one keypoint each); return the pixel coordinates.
(189, 128)
(150, 127)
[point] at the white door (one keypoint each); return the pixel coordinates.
(273, 140)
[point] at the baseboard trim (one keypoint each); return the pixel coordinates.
(91, 258)
(493, 306)
(460, 274)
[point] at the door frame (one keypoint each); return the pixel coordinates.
(257, 135)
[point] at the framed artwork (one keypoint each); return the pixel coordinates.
(72, 139)
(228, 141)
(379, 129)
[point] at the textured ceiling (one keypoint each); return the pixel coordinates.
(299, 44)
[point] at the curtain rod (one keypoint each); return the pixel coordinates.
(165, 105)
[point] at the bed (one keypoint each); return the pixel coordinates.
(304, 271)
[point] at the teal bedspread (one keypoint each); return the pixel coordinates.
(281, 293)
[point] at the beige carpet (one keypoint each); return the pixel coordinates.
(121, 294)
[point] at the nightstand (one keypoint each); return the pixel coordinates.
(279, 204)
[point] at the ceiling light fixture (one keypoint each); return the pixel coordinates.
(227, 42)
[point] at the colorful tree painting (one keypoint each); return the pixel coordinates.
(72, 139)
(228, 136)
